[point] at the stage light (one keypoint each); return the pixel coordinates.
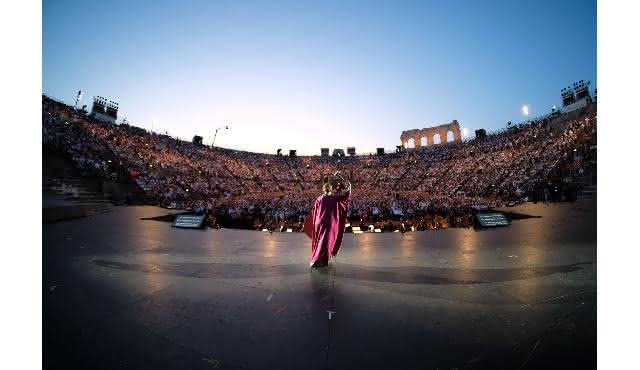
(525, 110)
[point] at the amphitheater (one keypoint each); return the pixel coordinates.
(535, 160)
(122, 289)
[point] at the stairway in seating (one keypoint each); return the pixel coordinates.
(70, 197)
(73, 191)
(588, 192)
(63, 186)
(589, 183)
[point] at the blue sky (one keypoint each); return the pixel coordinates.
(304, 75)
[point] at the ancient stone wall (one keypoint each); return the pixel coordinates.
(429, 133)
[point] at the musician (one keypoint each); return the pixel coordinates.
(325, 224)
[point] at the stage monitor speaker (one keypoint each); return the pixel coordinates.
(351, 150)
(189, 221)
(491, 219)
(292, 153)
(324, 152)
(380, 151)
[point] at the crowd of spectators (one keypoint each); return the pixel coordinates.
(429, 188)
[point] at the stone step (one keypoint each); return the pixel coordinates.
(87, 200)
(62, 179)
(588, 192)
(73, 194)
(97, 205)
(75, 191)
(84, 194)
(63, 185)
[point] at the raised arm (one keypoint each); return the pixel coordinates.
(347, 194)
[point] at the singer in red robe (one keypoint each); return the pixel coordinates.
(325, 225)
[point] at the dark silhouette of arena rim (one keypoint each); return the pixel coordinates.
(418, 138)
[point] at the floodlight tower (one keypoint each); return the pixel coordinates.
(78, 98)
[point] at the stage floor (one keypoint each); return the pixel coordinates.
(124, 293)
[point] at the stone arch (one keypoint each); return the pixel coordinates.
(436, 139)
(423, 141)
(450, 136)
(411, 143)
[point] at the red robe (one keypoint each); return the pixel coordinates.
(325, 225)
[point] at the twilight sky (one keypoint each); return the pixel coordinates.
(304, 75)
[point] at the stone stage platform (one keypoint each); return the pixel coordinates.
(124, 293)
